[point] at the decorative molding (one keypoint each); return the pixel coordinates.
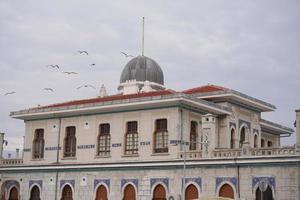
(220, 180)
(101, 181)
(269, 179)
(86, 146)
(232, 124)
(71, 182)
(255, 131)
(198, 181)
(165, 181)
(10, 183)
(36, 182)
(133, 181)
(246, 122)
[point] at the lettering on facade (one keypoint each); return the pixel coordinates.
(145, 143)
(117, 145)
(86, 146)
(26, 150)
(52, 148)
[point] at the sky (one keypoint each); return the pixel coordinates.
(251, 46)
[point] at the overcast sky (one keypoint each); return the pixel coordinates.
(251, 46)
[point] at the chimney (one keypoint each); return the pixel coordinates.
(1, 144)
(17, 153)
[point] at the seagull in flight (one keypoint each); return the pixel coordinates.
(5, 142)
(69, 73)
(49, 89)
(54, 66)
(83, 52)
(126, 55)
(93, 64)
(9, 93)
(86, 86)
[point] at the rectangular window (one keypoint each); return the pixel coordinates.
(38, 144)
(193, 135)
(161, 136)
(104, 140)
(70, 142)
(131, 138)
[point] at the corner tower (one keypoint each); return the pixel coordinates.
(141, 74)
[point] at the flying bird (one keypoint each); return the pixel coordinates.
(93, 64)
(126, 55)
(69, 73)
(54, 66)
(5, 142)
(49, 89)
(86, 86)
(9, 93)
(83, 52)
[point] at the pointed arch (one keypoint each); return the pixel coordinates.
(35, 193)
(268, 194)
(67, 192)
(191, 192)
(226, 190)
(13, 193)
(101, 192)
(159, 192)
(232, 138)
(255, 141)
(129, 192)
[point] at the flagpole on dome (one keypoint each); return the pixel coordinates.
(143, 37)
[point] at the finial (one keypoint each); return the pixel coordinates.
(143, 36)
(103, 92)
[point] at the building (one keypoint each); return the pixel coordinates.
(149, 142)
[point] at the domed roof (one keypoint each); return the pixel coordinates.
(142, 68)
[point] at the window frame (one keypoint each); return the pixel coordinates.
(161, 131)
(39, 143)
(131, 138)
(70, 137)
(104, 140)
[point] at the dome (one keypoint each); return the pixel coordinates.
(142, 68)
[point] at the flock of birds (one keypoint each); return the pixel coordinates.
(55, 66)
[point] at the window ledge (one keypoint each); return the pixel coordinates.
(160, 154)
(131, 155)
(69, 158)
(37, 159)
(108, 156)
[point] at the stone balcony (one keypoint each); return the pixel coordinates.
(11, 161)
(245, 152)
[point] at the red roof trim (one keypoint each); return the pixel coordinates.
(204, 89)
(109, 98)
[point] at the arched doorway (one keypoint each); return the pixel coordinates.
(226, 191)
(255, 141)
(13, 194)
(129, 193)
(35, 193)
(266, 195)
(159, 193)
(191, 192)
(67, 193)
(242, 136)
(101, 193)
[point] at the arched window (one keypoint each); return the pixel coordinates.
(38, 144)
(129, 193)
(159, 193)
(232, 138)
(255, 141)
(67, 193)
(104, 140)
(191, 192)
(35, 193)
(161, 136)
(193, 135)
(264, 195)
(262, 143)
(101, 193)
(270, 143)
(13, 194)
(226, 191)
(242, 136)
(70, 142)
(131, 138)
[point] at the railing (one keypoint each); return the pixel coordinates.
(12, 161)
(231, 153)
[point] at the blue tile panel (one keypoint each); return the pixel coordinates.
(242, 122)
(135, 182)
(221, 180)
(102, 181)
(269, 179)
(198, 181)
(36, 182)
(71, 182)
(165, 181)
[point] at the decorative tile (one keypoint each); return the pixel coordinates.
(133, 181)
(165, 181)
(255, 131)
(198, 181)
(232, 124)
(269, 179)
(10, 183)
(102, 181)
(86, 146)
(220, 180)
(71, 182)
(36, 182)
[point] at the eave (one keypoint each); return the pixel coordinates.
(274, 128)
